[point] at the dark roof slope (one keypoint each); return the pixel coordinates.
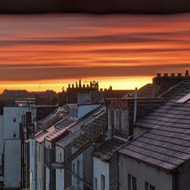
(107, 150)
(175, 90)
(61, 127)
(146, 91)
(65, 123)
(167, 144)
(51, 119)
(81, 141)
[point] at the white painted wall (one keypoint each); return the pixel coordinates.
(12, 172)
(158, 178)
(84, 109)
(12, 118)
(40, 166)
(47, 171)
(60, 183)
(34, 156)
(47, 185)
(33, 163)
(100, 168)
(78, 159)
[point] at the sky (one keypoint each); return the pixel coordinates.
(39, 52)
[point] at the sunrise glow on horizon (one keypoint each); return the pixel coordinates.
(122, 51)
(117, 83)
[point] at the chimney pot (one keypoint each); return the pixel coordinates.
(158, 75)
(165, 74)
(79, 83)
(187, 73)
(179, 75)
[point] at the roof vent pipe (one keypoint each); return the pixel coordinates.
(135, 106)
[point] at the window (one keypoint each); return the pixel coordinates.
(148, 186)
(125, 120)
(1, 170)
(103, 182)
(109, 119)
(116, 118)
(60, 159)
(14, 120)
(39, 153)
(109, 124)
(73, 167)
(132, 182)
(96, 184)
(78, 170)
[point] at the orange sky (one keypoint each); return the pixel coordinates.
(49, 51)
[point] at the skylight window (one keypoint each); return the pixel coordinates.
(184, 99)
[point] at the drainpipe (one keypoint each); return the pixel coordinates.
(135, 106)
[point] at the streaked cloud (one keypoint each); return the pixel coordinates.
(36, 48)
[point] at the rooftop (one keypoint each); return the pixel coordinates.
(107, 150)
(167, 144)
(76, 130)
(61, 127)
(52, 118)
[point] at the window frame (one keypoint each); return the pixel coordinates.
(148, 186)
(116, 118)
(103, 182)
(132, 182)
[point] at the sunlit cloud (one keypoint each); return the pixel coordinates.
(68, 47)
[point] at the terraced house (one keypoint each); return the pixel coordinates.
(159, 157)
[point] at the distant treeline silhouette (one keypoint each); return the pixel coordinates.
(94, 6)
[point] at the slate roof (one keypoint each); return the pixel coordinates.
(107, 150)
(61, 127)
(81, 141)
(167, 144)
(85, 134)
(98, 123)
(52, 118)
(49, 130)
(175, 90)
(65, 122)
(146, 91)
(76, 129)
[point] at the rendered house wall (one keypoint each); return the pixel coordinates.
(12, 166)
(143, 173)
(100, 168)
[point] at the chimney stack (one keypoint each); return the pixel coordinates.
(187, 73)
(79, 83)
(179, 75)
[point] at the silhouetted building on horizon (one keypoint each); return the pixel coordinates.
(80, 93)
